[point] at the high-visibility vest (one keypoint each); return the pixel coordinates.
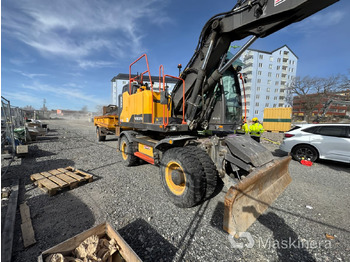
(256, 129)
(245, 128)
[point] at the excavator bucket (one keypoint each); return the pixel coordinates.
(247, 200)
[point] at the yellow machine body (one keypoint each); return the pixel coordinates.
(138, 107)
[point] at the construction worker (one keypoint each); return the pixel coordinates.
(256, 129)
(244, 128)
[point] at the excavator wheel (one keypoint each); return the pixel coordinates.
(211, 174)
(129, 159)
(182, 176)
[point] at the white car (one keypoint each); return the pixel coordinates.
(314, 141)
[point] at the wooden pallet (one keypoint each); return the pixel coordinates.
(57, 179)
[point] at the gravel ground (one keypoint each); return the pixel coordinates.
(132, 200)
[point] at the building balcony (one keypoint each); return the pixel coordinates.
(248, 56)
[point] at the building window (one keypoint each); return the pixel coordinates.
(257, 96)
(270, 66)
(274, 105)
(276, 90)
(258, 81)
(124, 82)
(267, 97)
(279, 60)
(278, 67)
(275, 98)
(277, 75)
(261, 57)
(260, 65)
(268, 89)
(257, 104)
(256, 112)
(276, 83)
(269, 82)
(259, 73)
(267, 105)
(269, 74)
(271, 58)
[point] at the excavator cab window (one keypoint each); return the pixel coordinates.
(232, 97)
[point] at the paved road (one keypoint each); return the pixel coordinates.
(294, 228)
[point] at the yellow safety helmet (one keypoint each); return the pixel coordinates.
(255, 119)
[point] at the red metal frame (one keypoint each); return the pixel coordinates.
(161, 74)
(245, 101)
(145, 157)
(150, 79)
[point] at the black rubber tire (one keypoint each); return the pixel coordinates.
(129, 159)
(210, 171)
(194, 188)
(100, 137)
(305, 152)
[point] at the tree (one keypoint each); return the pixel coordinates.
(84, 109)
(28, 107)
(311, 92)
(99, 109)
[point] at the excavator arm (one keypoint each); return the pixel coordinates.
(258, 18)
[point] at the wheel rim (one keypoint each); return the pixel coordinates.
(170, 169)
(305, 153)
(123, 149)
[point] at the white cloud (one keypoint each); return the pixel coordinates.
(318, 21)
(29, 75)
(62, 92)
(327, 19)
(85, 64)
(26, 98)
(79, 29)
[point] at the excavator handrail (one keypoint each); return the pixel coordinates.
(183, 95)
(161, 73)
(149, 75)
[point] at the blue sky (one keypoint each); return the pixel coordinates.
(68, 51)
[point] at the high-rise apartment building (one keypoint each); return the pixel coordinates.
(269, 74)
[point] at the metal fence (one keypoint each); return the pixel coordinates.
(11, 118)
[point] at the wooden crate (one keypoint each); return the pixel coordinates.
(54, 180)
(102, 230)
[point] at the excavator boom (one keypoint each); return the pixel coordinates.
(258, 18)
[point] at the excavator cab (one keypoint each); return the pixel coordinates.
(226, 115)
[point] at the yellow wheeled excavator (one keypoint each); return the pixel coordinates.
(189, 133)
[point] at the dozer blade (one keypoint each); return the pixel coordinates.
(247, 200)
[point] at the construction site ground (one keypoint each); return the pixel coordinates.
(308, 222)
